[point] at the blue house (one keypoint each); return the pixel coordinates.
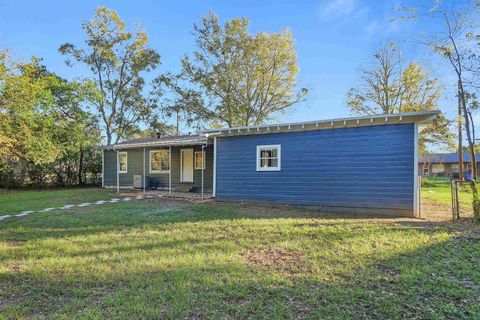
(359, 164)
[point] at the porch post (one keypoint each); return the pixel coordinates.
(118, 172)
(170, 170)
(144, 177)
(103, 168)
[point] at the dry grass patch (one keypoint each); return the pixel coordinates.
(283, 260)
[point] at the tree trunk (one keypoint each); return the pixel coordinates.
(178, 130)
(109, 136)
(473, 160)
(80, 168)
(471, 142)
(460, 142)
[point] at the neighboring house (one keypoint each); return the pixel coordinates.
(443, 164)
(359, 164)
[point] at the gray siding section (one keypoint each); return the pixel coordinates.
(135, 167)
(364, 169)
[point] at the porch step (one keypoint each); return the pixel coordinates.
(182, 188)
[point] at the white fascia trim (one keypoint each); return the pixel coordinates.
(377, 119)
(279, 157)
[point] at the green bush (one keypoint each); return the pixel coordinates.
(7, 176)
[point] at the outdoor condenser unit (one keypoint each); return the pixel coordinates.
(138, 181)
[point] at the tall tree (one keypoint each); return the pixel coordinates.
(42, 119)
(391, 86)
(27, 112)
(235, 78)
(458, 22)
(117, 59)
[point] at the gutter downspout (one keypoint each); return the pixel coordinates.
(170, 170)
(214, 166)
(144, 177)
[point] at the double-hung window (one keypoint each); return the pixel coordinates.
(269, 158)
(199, 160)
(159, 161)
(122, 162)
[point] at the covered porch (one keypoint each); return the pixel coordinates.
(177, 166)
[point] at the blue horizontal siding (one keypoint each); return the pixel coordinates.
(364, 167)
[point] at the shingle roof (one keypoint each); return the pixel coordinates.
(424, 117)
(445, 157)
(181, 140)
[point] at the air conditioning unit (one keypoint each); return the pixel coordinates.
(138, 182)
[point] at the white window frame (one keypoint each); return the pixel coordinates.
(150, 161)
(279, 157)
(126, 161)
(195, 160)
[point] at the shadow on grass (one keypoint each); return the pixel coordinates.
(158, 214)
(439, 280)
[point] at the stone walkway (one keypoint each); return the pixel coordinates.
(70, 206)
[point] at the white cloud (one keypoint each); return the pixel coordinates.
(337, 8)
(370, 28)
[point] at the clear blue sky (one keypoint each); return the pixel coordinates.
(334, 38)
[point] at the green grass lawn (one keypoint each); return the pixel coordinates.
(17, 201)
(438, 189)
(171, 260)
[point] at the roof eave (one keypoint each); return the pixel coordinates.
(153, 144)
(414, 117)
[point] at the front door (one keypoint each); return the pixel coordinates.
(186, 159)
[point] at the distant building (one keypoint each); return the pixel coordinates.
(443, 164)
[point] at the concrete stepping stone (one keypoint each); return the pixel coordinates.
(127, 199)
(67, 206)
(47, 209)
(113, 201)
(100, 202)
(24, 214)
(27, 212)
(139, 197)
(86, 204)
(116, 199)
(4, 217)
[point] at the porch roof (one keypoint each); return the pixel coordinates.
(168, 141)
